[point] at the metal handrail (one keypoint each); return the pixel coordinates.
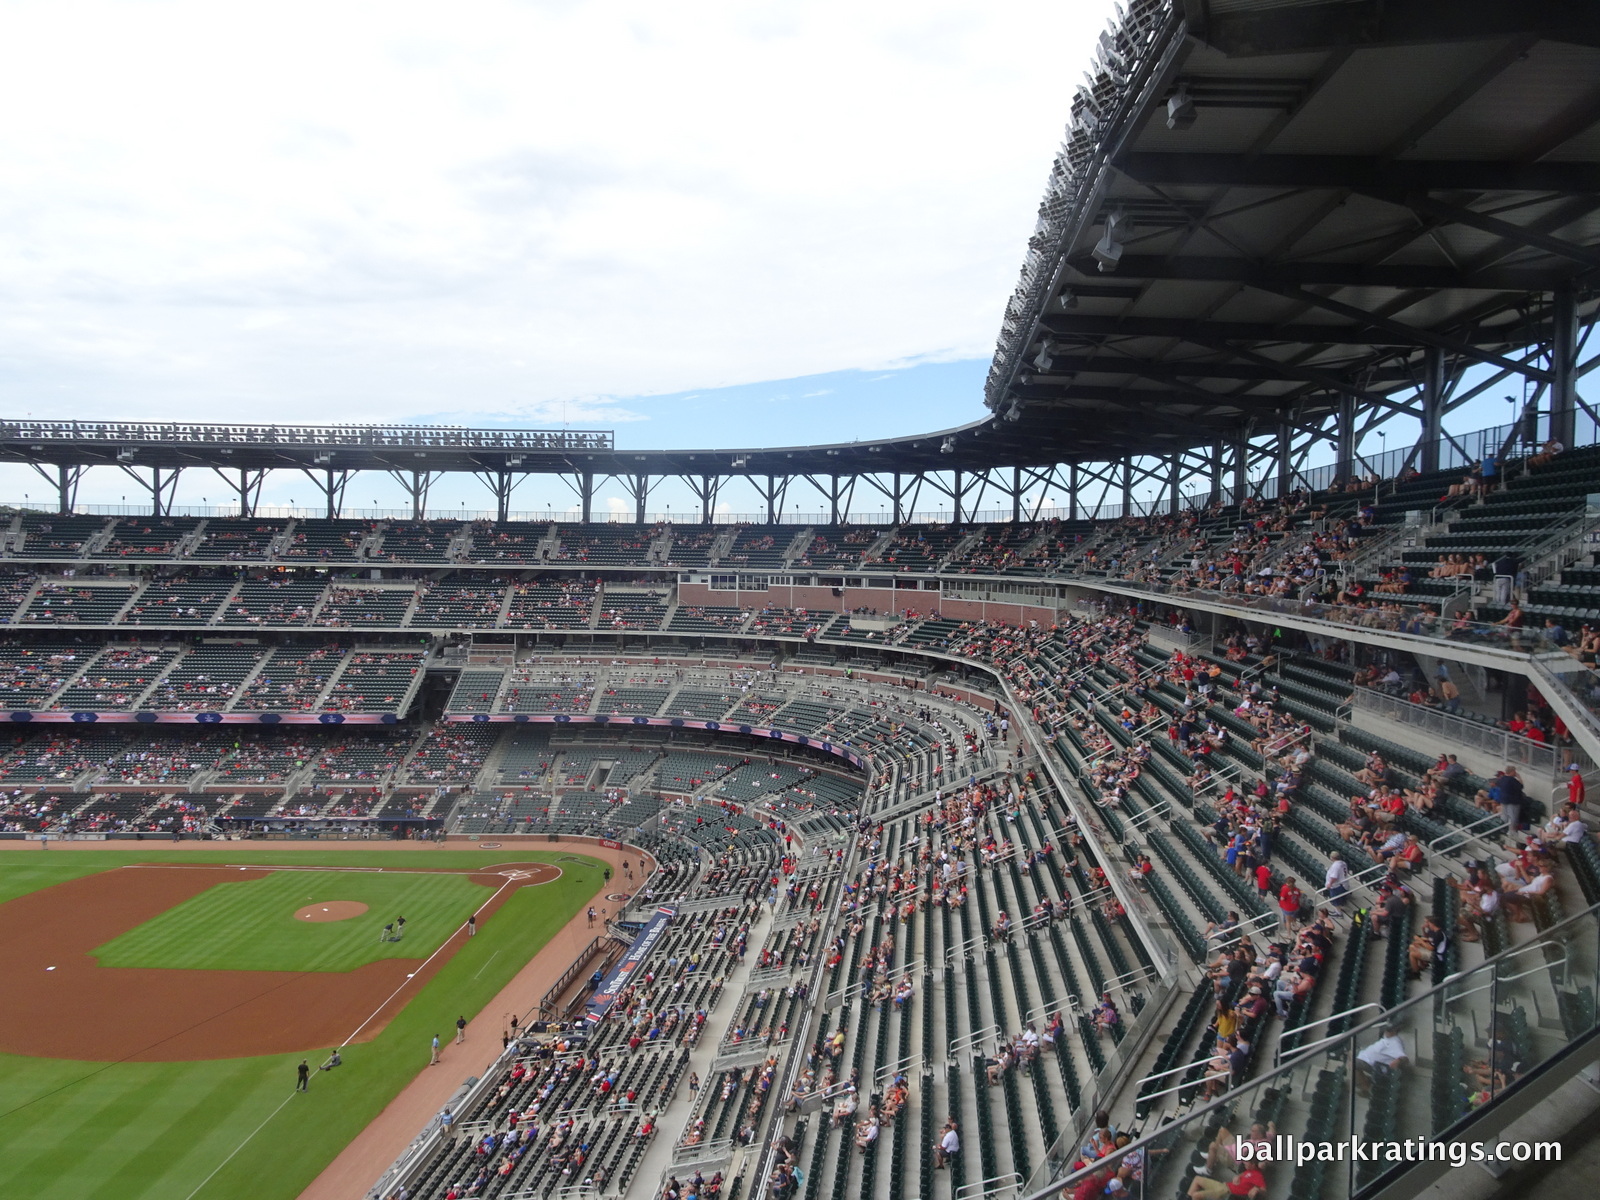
(1322, 1021)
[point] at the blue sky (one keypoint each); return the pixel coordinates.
(712, 223)
(675, 220)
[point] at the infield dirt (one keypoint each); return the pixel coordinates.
(59, 1002)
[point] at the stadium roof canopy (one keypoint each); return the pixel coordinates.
(1266, 214)
(1264, 206)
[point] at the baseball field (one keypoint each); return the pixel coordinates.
(155, 1005)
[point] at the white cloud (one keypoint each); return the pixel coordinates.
(364, 212)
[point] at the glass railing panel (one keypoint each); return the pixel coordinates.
(1456, 1047)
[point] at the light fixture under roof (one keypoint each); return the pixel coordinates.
(1108, 250)
(1180, 109)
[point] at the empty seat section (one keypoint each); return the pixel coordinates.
(632, 610)
(76, 604)
(116, 679)
(364, 607)
(705, 618)
(691, 545)
(837, 546)
(561, 604)
(238, 539)
(147, 537)
(59, 537)
(760, 546)
(179, 600)
(604, 545)
(417, 541)
(273, 601)
(460, 605)
(506, 542)
(205, 679)
(374, 682)
(291, 680)
(322, 540)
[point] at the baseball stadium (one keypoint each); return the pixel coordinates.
(1117, 794)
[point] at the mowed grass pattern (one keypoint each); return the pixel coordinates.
(249, 925)
(157, 1131)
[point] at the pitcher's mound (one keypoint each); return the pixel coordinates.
(333, 910)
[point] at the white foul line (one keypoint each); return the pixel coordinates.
(424, 965)
(239, 1147)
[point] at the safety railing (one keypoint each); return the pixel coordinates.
(1418, 1072)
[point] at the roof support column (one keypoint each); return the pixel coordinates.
(331, 483)
(955, 496)
(1218, 461)
(776, 489)
(1072, 492)
(1172, 483)
(1016, 495)
(1284, 448)
(705, 490)
(641, 495)
(502, 496)
(1344, 439)
(1241, 470)
(586, 495)
(1127, 485)
(1564, 367)
(64, 480)
(833, 499)
(1433, 384)
(899, 516)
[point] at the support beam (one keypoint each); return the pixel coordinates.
(162, 488)
(1016, 495)
(1433, 401)
(247, 488)
(1219, 269)
(1564, 364)
(1361, 173)
(639, 486)
(1344, 442)
(1283, 454)
(1587, 256)
(331, 483)
(1072, 493)
(64, 479)
(416, 485)
(586, 495)
(1423, 337)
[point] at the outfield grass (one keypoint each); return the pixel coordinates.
(250, 925)
(155, 1131)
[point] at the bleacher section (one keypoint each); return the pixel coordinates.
(566, 604)
(603, 545)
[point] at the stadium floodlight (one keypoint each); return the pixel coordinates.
(948, 446)
(323, 459)
(741, 462)
(1014, 413)
(127, 454)
(1068, 299)
(516, 460)
(1042, 361)
(1108, 250)
(1180, 109)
